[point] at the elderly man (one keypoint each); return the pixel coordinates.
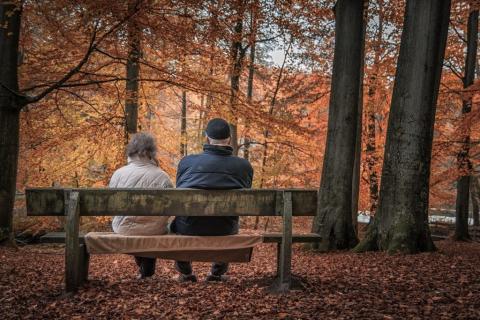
(215, 168)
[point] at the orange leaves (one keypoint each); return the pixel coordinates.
(338, 285)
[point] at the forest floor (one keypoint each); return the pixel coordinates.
(341, 285)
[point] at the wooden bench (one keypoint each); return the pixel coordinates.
(74, 203)
(444, 230)
(474, 232)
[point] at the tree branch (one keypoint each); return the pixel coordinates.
(91, 48)
(67, 76)
(454, 71)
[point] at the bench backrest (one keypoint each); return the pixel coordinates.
(171, 202)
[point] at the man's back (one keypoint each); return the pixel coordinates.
(215, 168)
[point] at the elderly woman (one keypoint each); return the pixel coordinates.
(142, 171)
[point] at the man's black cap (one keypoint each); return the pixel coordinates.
(218, 129)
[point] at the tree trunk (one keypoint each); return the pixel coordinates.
(372, 104)
(251, 72)
(401, 221)
(464, 164)
(10, 16)
(201, 119)
(133, 70)
(183, 127)
(237, 55)
(334, 217)
(474, 193)
(358, 142)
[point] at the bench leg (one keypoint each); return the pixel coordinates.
(84, 262)
(284, 250)
(279, 254)
(72, 247)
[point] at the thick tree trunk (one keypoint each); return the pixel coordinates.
(401, 221)
(464, 164)
(10, 17)
(133, 70)
(334, 218)
(474, 193)
(358, 142)
(183, 126)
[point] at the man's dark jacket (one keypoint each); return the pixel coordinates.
(215, 168)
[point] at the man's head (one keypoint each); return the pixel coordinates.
(142, 145)
(218, 132)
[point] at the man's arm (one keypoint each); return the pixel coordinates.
(181, 169)
(249, 170)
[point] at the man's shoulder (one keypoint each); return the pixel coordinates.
(242, 162)
(195, 158)
(190, 158)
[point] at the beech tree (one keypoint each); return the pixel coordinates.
(464, 163)
(401, 221)
(334, 218)
(371, 106)
(132, 69)
(10, 105)
(237, 55)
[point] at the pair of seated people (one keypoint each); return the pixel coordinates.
(215, 168)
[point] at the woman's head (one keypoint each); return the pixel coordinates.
(142, 145)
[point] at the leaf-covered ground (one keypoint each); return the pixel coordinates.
(440, 285)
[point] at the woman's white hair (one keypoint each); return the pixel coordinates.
(143, 145)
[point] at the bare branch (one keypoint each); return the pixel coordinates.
(458, 33)
(67, 76)
(454, 71)
(91, 48)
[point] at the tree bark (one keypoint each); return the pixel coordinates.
(183, 126)
(358, 142)
(237, 56)
(463, 159)
(251, 72)
(334, 218)
(133, 70)
(371, 111)
(401, 221)
(474, 193)
(10, 17)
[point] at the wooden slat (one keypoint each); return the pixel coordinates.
(170, 202)
(296, 238)
(45, 202)
(59, 237)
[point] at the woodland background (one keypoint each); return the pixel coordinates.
(263, 65)
(91, 73)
